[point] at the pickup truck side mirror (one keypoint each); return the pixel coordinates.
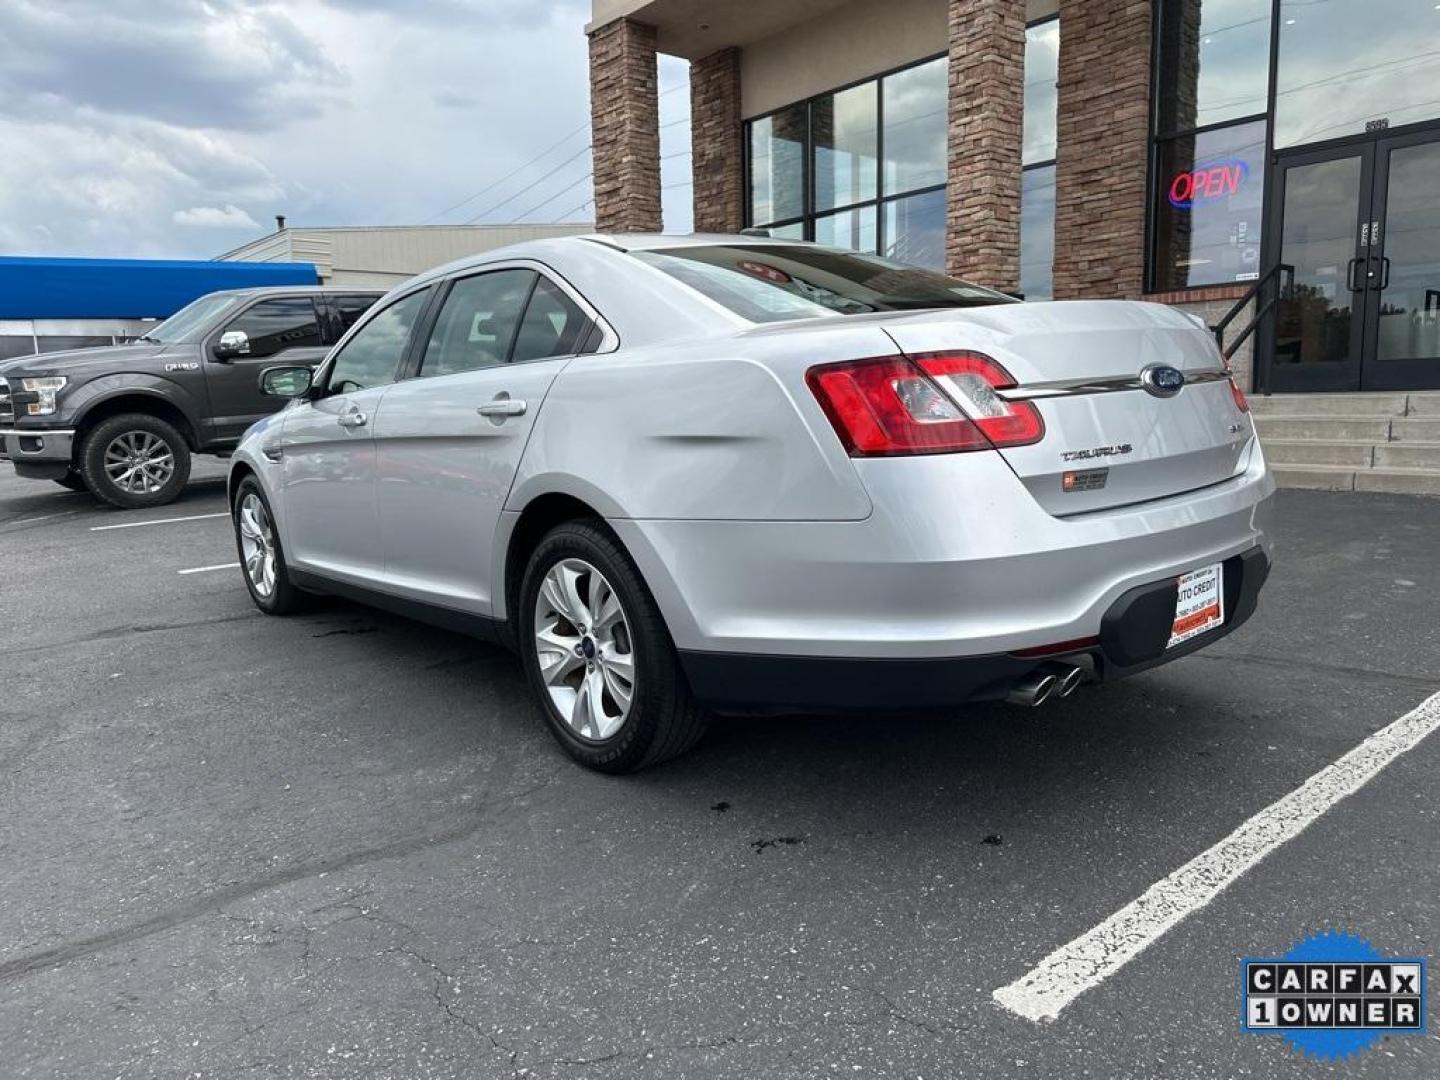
(287, 381)
(232, 343)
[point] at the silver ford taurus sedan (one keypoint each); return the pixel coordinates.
(720, 473)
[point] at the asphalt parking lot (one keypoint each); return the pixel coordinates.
(342, 845)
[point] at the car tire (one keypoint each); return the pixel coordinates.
(605, 733)
(262, 557)
(138, 441)
(73, 481)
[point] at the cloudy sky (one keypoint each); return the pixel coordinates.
(153, 128)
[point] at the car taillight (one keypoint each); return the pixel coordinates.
(937, 403)
(1238, 395)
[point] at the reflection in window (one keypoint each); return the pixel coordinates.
(777, 165)
(1342, 65)
(843, 128)
(915, 230)
(372, 357)
(915, 126)
(477, 323)
(1207, 206)
(1042, 68)
(1214, 62)
(1037, 232)
(853, 229)
(1410, 313)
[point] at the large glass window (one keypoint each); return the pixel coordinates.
(1037, 233)
(1210, 187)
(915, 126)
(1214, 60)
(1208, 172)
(830, 170)
(1037, 156)
(844, 128)
(865, 168)
(1345, 65)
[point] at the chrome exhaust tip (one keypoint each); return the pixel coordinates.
(1032, 690)
(1069, 682)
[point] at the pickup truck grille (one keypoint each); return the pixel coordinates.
(7, 411)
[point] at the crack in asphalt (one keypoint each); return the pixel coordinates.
(216, 900)
(1428, 682)
(136, 628)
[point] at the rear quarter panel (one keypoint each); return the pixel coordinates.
(714, 430)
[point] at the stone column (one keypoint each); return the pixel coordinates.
(716, 162)
(1102, 149)
(987, 95)
(625, 127)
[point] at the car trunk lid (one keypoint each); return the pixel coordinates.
(1109, 440)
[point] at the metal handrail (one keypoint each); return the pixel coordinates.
(1261, 309)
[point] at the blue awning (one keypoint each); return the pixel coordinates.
(44, 288)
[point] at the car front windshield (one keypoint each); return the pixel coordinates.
(189, 322)
(773, 282)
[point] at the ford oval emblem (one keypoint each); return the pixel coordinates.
(1162, 380)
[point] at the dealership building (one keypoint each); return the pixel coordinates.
(1201, 153)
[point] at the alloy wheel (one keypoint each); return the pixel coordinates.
(586, 652)
(257, 544)
(139, 462)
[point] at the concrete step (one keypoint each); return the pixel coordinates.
(1406, 455)
(1399, 481)
(1415, 429)
(1320, 477)
(1424, 403)
(1328, 428)
(1349, 406)
(1353, 455)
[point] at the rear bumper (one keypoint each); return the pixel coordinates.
(38, 452)
(1134, 632)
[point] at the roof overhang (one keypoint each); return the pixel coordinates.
(695, 28)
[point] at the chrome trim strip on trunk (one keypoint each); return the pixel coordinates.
(1080, 387)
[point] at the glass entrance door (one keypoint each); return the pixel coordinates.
(1360, 225)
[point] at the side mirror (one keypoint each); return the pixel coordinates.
(290, 381)
(232, 343)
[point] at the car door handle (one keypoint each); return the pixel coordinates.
(502, 407)
(352, 419)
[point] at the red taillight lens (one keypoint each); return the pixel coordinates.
(1238, 395)
(934, 404)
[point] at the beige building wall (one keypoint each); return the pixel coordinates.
(386, 255)
(849, 44)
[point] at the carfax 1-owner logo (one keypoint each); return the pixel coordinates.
(1333, 995)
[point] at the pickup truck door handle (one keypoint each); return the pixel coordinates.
(352, 419)
(502, 406)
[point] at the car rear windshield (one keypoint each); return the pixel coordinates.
(772, 283)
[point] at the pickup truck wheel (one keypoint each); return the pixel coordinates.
(262, 560)
(598, 656)
(73, 481)
(134, 460)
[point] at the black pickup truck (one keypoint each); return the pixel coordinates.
(124, 420)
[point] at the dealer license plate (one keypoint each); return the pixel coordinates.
(1199, 605)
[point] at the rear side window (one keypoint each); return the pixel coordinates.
(286, 322)
(477, 325)
(372, 357)
(350, 308)
(553, 325)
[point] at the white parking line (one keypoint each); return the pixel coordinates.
(158, 521)
(207, 569)
(1099, 953)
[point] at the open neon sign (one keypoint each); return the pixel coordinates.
(1208, 182)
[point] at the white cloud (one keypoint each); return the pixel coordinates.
(228, 216)
(135, 127)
